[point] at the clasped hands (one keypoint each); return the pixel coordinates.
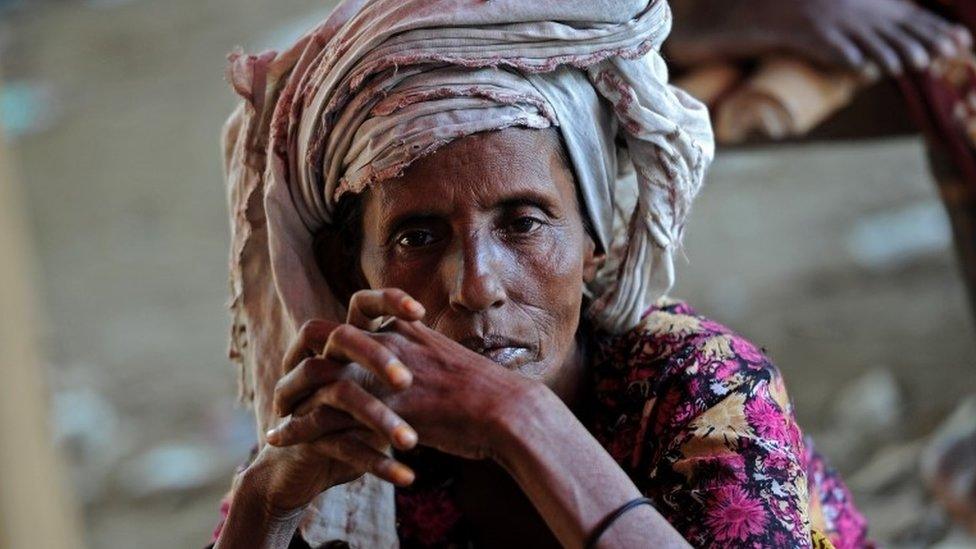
(350, 392)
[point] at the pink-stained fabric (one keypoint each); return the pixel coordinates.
(382, 83)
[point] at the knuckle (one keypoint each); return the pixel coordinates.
(303, 369)
(320, 416)
(281, 386)
(347, 447)
(401, 326)
(393, 296)
(377, 353)
(292, 428)
(341, 334)
(311, 369)
(357, 298)
(343, 391)
(380, 466)
(389, 344)
(379, 413)
(308, 328)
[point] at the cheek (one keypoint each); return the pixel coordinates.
(556, 270)
(549, 283)
(417, 278)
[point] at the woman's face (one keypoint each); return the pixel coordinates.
(487, 234)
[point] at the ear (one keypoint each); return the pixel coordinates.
(593, 259)
(340, 268)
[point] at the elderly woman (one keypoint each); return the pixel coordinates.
(453, 227)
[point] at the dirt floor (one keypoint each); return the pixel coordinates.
(835, 258)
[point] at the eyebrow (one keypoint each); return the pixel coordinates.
(528, 198)
(518, 199)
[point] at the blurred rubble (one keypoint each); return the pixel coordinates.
(173, 468)
(885, 240)
(949, 464)
(88, 429)
(894, 476)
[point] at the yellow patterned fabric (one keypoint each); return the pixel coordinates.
(820, 541)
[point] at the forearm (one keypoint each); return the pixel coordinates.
(571, 480)
(250, 523)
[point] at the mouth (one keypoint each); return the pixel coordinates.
(509, 357)
(501, 350)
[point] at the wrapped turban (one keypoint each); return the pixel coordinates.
(382, 83)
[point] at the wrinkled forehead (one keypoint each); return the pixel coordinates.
(481, 171)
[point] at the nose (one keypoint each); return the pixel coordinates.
(474, 277)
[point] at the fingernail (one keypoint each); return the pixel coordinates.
(405, 437)
(401, 474)
(273, 436)
(414, 306)
(398, 373)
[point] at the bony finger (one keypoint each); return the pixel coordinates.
(308, 427)
(309, 341)
(842, 49)
(367, 307)
(962, 36)
(371, 412)
(274, 436)
(343, 404)
(413, 308)
(910, 50)
(946, 47)
(404, 437)
(364, 457)
(310, 374)
(350, 344)
(870, 72)
(398, 374)
(289, 434)
(394, 471)
(882, 53)
(398, 303)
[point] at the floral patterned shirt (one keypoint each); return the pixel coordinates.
(700, 420)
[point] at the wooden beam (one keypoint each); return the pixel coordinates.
(36, 508)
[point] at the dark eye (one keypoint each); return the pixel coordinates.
(524, 225)
(415, 238)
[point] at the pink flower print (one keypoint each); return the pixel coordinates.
(712, 326)
(747, 351)
(726, 369)
(733, 515)
(850, 525)
(794, 436)
(767, 419)
(427, 516)
(668, 411)
(777, 461)
(713, 471)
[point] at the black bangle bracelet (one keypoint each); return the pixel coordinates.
(611, 518)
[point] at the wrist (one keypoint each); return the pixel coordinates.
(515, 426)
(255, 486)
(252, 521)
